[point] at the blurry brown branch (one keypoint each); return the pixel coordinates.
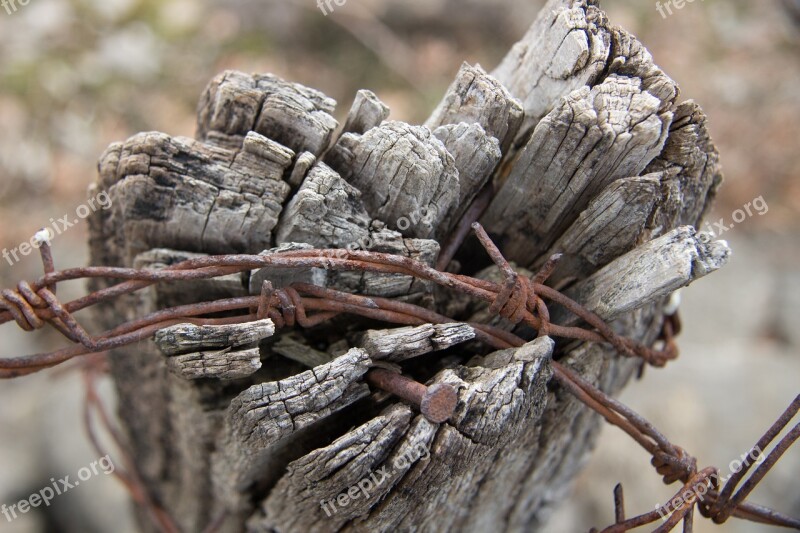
(127, 475)
(365, 26)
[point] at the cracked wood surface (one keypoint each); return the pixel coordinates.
(418, 174)
(175, 192)
(326, 212)
(477, 98)
(291, 114)
(476, 156)
(184, 338)
(592, 138)
(366, 113)
(191, 354)
(454, 465)
(225, 364)
(694, 173)
(590, 154)
(609, 226)
(399, 344)
(648, 273)
(370, 283)
(566, 48)
(264, 425)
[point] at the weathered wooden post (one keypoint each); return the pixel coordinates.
(577, 143)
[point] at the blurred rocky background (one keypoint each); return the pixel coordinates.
(76, 75)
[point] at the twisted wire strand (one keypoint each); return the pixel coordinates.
(518, 299)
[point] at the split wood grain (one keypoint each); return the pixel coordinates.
(185, 338)
(596, 159)
(399, 344)
(648, 273)
(235, 103)
(475, 97)
(402, 171)
(594, 137)
(366, 113)
(223, 364)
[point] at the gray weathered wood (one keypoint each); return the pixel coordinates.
(223, 364)
(399, 344)
(692, 161)
(629, 57)
(402, 171)
(602, 161)
(366, 113)
(566, 48)
(263, 424)
(504, 390)
(185, 338)
(302, 164)
(606, 229)
(388, 241)
(235, 104)
(371, 283)
(648, 273)
(477, 98)
(174, 192)
(593, 137)
(476, 156)
(231, 285)
(326, 212)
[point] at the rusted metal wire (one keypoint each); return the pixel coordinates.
(702, 488)
(126, 472)
(519, 299)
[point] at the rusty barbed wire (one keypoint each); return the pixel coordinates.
(518, 299)
(95, 411)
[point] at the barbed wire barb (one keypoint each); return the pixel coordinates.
(519, 299)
